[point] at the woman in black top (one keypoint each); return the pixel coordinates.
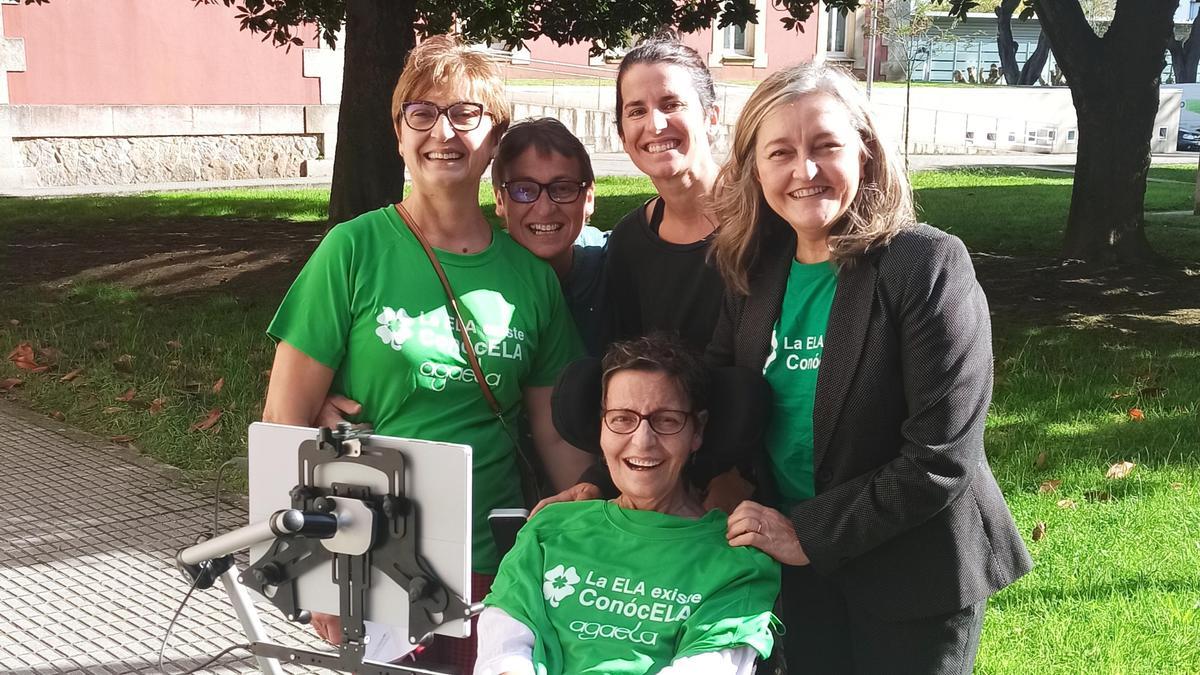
(658, 275)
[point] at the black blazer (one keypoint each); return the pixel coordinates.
(907, 519)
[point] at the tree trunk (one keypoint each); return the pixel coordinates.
(1005, 42)
(1114, 83)
(1036, 61)
(1189, 52)
(367, 170)
(1106, 224)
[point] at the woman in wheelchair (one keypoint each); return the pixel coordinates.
(645, 583)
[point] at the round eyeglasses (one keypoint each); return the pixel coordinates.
(664, 422)
(422, 115)
(559, 191)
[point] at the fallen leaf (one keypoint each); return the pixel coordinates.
(58, 415)
(14, 322)
(1119, 395)
(22, 350)
(1039, 531)
(22, 357)
(218, 386)
(124, 363)
(1136, 414)
(1097, 496)
(1066, 504)
(1176, 486)
(9, 383)
(1049, 486)
(1119, 470)
(1152, 392)
(123, 439)
(207, 422)
(112, 410)
(1040, 462)
(174, 344)
(156, 406)
(128, 395)
(71, 375)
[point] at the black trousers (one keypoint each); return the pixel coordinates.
(826, 635)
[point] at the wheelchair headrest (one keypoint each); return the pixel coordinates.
(739, 401)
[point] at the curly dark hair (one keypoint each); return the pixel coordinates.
(661, 353)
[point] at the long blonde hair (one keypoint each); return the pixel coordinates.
(882, 207)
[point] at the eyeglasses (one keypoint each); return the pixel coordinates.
(559, 191)
(664, 422)
(422, 115)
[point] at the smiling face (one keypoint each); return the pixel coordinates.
(664, 127)
(647, 467)
(809, 161)
(545, 227)
(442, 156)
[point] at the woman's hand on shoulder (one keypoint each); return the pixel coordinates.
(576, 493)
(764, 528)
(334, 410)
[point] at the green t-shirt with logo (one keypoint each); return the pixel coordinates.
(623, 592)
(791, 369)
(369, 305)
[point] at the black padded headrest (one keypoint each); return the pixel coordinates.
(739, 402)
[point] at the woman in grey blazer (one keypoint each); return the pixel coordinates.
(874, 489)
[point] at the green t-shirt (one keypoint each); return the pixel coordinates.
(369, 305)
(791, 370)
(623, 592)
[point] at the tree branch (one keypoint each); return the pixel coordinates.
(1069, 30)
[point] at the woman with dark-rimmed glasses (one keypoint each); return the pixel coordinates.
(368, 317)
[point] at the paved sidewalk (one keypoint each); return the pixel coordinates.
(87, 582)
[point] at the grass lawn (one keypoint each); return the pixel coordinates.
(1089, 373)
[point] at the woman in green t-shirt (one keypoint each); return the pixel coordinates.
(369, 319)
(895, 531)
(645, 583)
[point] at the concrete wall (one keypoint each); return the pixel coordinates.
(1000, 119)
(120, 145)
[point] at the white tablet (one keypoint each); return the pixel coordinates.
(437, 478)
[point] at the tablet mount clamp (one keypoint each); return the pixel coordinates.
(345, 523)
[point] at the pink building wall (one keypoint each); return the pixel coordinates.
(784, 48)
(117, 52)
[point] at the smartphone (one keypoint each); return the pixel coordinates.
(505, 523)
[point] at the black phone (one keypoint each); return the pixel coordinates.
(505, 523)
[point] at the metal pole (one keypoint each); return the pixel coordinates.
(873, 8)
(248, 616)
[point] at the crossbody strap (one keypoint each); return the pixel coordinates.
(452, 300)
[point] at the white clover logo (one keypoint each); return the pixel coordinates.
(559, 584)
(395, 327)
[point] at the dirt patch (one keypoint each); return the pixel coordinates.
(167, 257)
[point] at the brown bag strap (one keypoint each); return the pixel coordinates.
(460, 325)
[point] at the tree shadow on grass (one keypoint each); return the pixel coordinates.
(244, 257)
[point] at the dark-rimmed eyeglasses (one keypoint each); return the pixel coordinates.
(559, 191)
(422, 115)
(664, 422)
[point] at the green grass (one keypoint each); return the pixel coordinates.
(1023, 212)
(1116, 588)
